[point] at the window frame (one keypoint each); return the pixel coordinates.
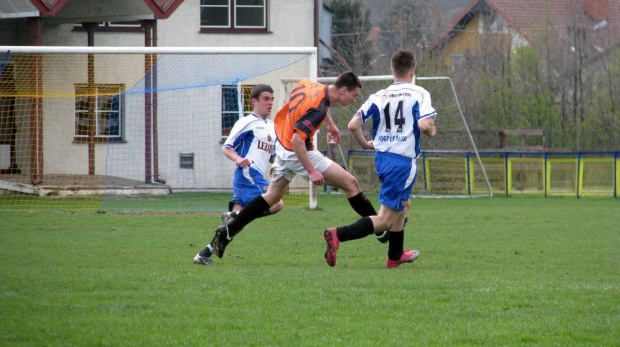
(114, 27)
(228, 112)
(457, 61)
(81, 91)
(232, 19)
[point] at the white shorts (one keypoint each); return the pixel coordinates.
(287, 165)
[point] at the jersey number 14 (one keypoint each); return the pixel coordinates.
(399, 120)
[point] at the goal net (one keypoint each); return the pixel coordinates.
(130, 129)
(449, 165)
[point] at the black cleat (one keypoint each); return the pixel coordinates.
(220, 241)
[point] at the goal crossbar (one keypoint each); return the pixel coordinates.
(155, 50)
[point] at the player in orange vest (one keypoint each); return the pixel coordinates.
(296, 154)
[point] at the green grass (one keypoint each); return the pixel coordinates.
(493, 272)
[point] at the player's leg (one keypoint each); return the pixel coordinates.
(262, 187)
(249, 186)
(251, 211)
(396, 188)
(388, 219)
(234, 205)
(338, 177)
(283, 171)
(397, 175)
(359, 229)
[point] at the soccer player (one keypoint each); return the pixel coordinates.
(296, 124)
(250, 145)
(399, 115)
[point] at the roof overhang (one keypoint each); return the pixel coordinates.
(18, 9)
(78, 11)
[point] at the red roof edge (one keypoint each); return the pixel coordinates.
(458, 18)
(163, 13)
(510, 21)
(46, 11)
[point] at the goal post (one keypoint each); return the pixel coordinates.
(452, 166)
(130, 128)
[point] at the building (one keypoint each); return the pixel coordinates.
(41, 137)
(518, 23)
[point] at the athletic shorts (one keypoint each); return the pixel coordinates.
(397, 174)
(287, 165)
(248, 183)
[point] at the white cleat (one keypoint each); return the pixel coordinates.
(200, 260)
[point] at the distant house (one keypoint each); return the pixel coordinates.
(58, 142)
(519, 23)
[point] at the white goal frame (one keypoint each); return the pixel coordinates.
(312, 69)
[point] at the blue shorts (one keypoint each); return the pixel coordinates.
(397, 175)
(248, 183)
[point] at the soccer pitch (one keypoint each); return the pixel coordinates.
(492, 271)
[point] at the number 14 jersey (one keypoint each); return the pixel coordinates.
(395, 112)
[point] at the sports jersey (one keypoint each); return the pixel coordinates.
(253, 137)
(395, 112)
(304, 113)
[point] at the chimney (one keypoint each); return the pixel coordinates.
(596, 9)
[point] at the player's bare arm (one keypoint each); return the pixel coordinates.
(233, 156)
(427, 126)
(332, 129)
(299, 146)
(355, 127)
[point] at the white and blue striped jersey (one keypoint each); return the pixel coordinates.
(395, 112)
(254, 138)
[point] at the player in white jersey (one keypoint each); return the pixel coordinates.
(250, 145)
(400, 113)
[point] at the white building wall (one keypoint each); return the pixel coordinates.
(192, 125)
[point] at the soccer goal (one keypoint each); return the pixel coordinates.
(130, 128)
(449, 166)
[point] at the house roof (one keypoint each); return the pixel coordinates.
(64, 11)
(17, 9)
(529, 18)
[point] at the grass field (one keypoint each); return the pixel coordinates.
(492, 272)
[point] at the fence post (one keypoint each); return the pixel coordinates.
(468, 168)
(506, 174)
(579, 176)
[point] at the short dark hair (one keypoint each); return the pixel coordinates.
(348, 79)
(259, 88)
(403, 61)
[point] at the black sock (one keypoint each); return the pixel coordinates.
(254, 209)
(265, 213)
(362, 205)
(361, 228)
(205, 252)
(395, 250)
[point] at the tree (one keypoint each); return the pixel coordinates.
(410, 24)
(350, 30)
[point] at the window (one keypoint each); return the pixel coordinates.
(186, 161)
(492, 23)
(106, 103)
(113, 26)
(458, 60)
(230, 105)
(250, 15)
